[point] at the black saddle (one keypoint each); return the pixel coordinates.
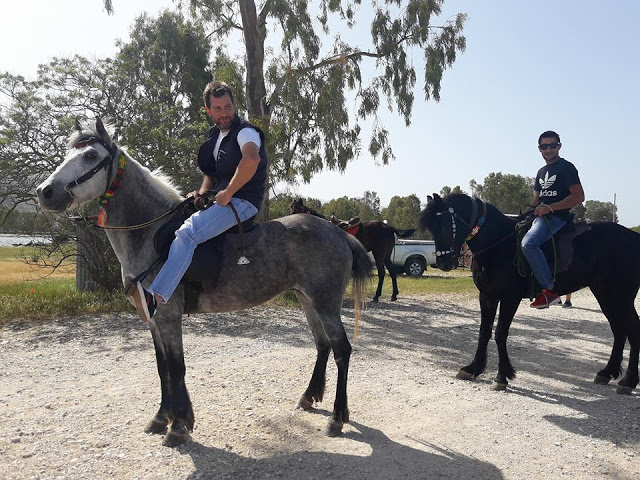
(207, 257)
(563, 240)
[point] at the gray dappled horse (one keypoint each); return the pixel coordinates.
(302, 253)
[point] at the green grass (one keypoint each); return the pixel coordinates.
(55, 297)
(25, 292)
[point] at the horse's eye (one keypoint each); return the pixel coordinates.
(90, 155)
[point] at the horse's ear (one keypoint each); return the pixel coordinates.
(77, 125)
(437, 198)
(429, 199)
(100, 128)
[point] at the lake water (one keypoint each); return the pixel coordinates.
(9, 240)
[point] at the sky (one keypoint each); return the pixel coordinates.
(571, 66)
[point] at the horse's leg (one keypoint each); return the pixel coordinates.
(392, 273)
(488, 308)
(169, 327)
(332, 325)
(508, 308)
(315, 390)
(380, 266)
(162, 419)
(630, 379)
(608, 304)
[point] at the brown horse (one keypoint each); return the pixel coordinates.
(298, 206)
(379, 238)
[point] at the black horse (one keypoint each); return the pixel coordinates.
(379, 238)
(606, 258)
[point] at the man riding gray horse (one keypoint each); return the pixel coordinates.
(233, 159)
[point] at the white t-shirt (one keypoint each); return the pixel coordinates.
(245, 135)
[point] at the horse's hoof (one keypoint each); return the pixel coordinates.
(156, 427)
(464, 375)
(173, 439)
(374, 299)
(393, 299)
(334, 428)
(601, 380)
(499, 386)
(305, 404)
(624, 390)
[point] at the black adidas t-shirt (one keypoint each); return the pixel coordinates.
(553, 182)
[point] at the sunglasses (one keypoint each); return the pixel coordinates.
(552, 146)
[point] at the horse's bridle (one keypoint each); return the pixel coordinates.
(106, 163)
(474, 224)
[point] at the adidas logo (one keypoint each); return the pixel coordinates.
(547, 181)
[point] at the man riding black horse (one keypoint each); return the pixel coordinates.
(557, 189)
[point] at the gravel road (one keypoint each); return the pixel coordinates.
(76, 394)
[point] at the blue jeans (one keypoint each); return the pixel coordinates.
(200, 227)
(539, 233)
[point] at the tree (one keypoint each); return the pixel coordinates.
(579, 212)
(507, 192)
(153, 88)
(344, 208)
(597, 211)
(403, 212)
(446, 190)
(301, 92)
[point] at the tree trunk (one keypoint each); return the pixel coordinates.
(257, 106)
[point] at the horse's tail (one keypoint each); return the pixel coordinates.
(405, 233)
(361, 276)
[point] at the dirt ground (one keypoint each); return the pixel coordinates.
(76, 394)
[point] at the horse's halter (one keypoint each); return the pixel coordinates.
(474, 220)
(106, 163)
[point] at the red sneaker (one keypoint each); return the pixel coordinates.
(545, 299)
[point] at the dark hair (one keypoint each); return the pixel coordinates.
(549, 134)
(217, 89)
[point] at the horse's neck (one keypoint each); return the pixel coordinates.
(496, 228)
(139, 200)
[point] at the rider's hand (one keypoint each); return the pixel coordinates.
(541, 210)
(194, 194)
(223, 197)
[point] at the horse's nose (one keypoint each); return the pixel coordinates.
(45, 192)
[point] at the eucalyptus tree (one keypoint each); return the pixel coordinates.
(304, 81)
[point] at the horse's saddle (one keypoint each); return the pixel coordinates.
(207, 257)
(563, 240)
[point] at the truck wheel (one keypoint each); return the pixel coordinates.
(415, 267)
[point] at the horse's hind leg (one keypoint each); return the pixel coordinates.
(394, 281)
(610, 305)
(380, 268)
(327, 319)
(315, 390)
(630, 379)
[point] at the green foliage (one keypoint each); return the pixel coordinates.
(636, 229)
(597, 211)
(446, 190)
(403, 212)
(344, 208)
(507, 192)
(302, 92)
(579, 212)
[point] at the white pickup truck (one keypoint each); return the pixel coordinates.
(413, 256)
